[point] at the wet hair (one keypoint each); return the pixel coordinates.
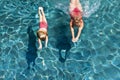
(77, 19)
(39, 33)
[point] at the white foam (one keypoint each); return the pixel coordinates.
(89, 8)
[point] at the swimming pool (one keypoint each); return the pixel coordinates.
(96, 56)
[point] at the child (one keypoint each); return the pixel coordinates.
(76, 18)
(42, 32)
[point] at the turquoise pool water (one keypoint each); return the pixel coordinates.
(96, 56)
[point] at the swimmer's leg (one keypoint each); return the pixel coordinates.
(74, 4)
(43, 14)
(74, 1)
(40, 14)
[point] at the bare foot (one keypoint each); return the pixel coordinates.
(40, 8)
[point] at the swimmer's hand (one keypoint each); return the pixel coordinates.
(46, 45)
(73, 39)
(40, 47)
(76, 39)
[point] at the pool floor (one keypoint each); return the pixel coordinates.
(96, 56)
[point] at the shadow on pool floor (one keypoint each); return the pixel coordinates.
(64, 46)
(32, 49)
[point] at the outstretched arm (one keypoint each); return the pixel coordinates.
(46, 42)
(40, 44)
(79, 30)
(72, 30)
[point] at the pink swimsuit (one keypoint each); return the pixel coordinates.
(76, 13)
(43, 24)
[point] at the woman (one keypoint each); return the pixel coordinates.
(76, 18)
(42, 32)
